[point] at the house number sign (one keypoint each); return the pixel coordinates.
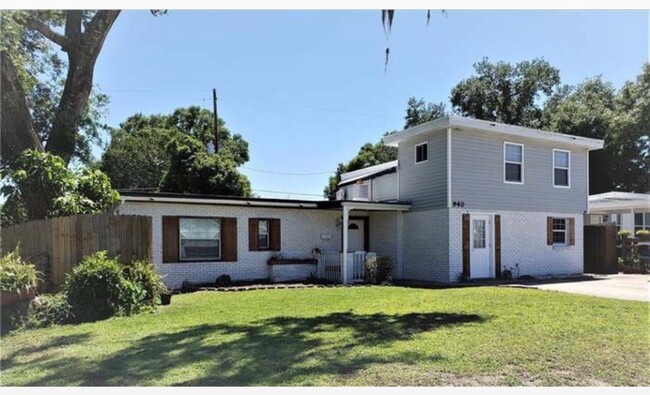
(458, 204)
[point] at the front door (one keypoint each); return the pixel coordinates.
(480, 244)
(355, 235)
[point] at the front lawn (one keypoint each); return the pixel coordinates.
(347, 336)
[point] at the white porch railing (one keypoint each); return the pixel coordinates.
(330, 265)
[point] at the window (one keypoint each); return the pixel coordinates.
(478, 228)
(559, 231)
(641, 221)
(200, 239)
(561, 168)
(513, 158)
(263, 234)
(421, 152)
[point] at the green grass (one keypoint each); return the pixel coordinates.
(347, 336)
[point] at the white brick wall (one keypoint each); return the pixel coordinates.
(301, 232)
(384, 235)
(523, 241)
(425, 245)
(280, 273)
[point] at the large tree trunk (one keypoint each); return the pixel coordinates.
(16, 127)
(83, 50)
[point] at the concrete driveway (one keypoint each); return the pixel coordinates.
(617, 286)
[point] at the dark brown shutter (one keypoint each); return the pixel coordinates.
(466, 245)
(276, 235)
(253, 229)
(571, 225)
(170, 239)
(497, 245)
(549, 231)
(229, 239)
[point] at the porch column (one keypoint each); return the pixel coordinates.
(344, 260)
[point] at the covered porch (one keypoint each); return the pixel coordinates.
(368, 230)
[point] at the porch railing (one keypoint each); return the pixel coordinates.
(330, 265)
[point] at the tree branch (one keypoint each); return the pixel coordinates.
(50, 34)
(98, 27)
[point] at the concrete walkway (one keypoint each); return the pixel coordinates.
(617, 286)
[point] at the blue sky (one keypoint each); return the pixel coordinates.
(307, 88)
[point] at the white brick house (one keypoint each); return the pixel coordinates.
(465, 199)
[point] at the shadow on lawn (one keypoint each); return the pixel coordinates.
(275, 351)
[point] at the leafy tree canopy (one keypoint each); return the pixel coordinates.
(62, 191)
(169, 153)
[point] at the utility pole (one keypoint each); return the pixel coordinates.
(216, 120)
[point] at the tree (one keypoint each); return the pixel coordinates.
(161, 151)
(62, 191)
(31, 117)
(505, 93)
(418, 112)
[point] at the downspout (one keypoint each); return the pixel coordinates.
(449, 167)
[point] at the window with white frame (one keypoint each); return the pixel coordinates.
(641, 221)
(559, 231)
(513, 162)
(421, 152)
(263, 234)
(561, 168)
(200, 239)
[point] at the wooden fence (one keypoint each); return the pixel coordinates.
(56, 245)
(600, 249)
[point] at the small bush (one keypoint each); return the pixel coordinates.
(95, 288)
(144, 274)
(47, 310)
(15, 273)
(624, 234)
(642, 233)
(630, 260)
(378, 269)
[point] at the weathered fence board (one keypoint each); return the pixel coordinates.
(56, 245)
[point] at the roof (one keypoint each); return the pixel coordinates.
(453, 121)
(368, 172)
(186, 198)
(619, 201)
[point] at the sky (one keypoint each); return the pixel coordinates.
(307, 88)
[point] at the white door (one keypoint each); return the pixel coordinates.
(355, 235)
(480, 244)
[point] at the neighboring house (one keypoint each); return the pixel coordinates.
(465, 199)
(629, 211)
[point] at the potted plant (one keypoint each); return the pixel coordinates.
(643, 235)
(18, 279)
(624, 234)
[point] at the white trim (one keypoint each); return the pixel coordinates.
(491, 127)
(224, 202)
(565, 231)
(449, 167)
(587, 180)
(415, 149)
(267, 234)
(506, 161)
(568, 169)
(375, 206)
(344, 246)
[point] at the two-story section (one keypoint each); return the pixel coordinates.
(489, 199)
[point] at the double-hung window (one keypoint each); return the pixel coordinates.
(200, 239)
(513, 163)
(263, 242)
(559, 231)
(641, 221)
(561, 168)
(421, 152)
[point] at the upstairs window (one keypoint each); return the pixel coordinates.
(421, 152)
(513, 163)
(561, 168)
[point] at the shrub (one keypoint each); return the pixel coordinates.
(144, 274)
(643, 232)
(97, 289)
(47, 310)
(624, 234)
(633, 260)
(378, 269)
(15, 273)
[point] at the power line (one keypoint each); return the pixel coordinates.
(287, 174)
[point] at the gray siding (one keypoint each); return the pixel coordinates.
(477, 176)
(384, 187)
(425, 184)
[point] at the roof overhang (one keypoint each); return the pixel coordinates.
(368, 172)
(374, 206)
(454, 121)
(619, 201)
